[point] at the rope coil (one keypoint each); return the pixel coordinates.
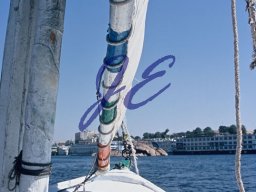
(133, 151)
(18, 169)
(127, 151)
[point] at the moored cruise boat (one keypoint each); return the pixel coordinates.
(218, 144)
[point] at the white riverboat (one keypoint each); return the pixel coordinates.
(218, 144)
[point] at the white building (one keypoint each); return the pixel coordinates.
(85, 137)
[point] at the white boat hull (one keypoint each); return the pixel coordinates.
(112, 181)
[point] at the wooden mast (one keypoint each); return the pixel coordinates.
(13, 85)
(42, 94)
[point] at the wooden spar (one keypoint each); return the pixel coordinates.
(13, 85)
(42, 92)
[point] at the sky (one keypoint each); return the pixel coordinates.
(198, 33)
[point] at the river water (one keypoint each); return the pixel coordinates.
(194, 173)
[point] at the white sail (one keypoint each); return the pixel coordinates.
(128, 15)
(127, 25)
(135, 45)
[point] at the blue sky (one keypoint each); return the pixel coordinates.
(198, 33)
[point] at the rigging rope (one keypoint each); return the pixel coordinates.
(89, 175)
(237, 99)
(250, 7)
(18, 169)
(134, 157)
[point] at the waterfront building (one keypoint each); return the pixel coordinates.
(85, 137)
(85, 143)
(217, 144)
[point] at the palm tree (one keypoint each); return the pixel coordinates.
(237, 99)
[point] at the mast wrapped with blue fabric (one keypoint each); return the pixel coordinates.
(125, 41)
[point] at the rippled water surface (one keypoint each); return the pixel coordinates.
(193, 173)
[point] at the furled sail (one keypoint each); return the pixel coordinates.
(125, 41)
(250, 7)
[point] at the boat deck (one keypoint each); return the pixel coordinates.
(113, 181)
